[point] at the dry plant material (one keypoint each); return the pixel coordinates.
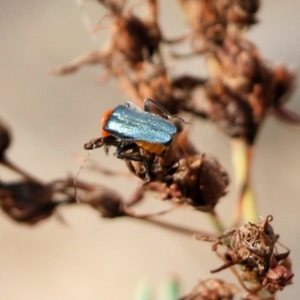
(106, 201)
(30, 202)
(199, 181)
(238, 93)
(253, 247)
(212, 289)
(241, 88)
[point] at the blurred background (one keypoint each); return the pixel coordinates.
(52, 117)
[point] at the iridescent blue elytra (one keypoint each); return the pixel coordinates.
(132, 124)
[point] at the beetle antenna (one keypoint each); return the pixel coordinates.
(179, 118)
(162, 109)
(77, 176)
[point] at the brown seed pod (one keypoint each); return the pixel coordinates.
(105, 201)
(28, 202)
(199, 181)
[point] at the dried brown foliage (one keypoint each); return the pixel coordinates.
(238, 93)
(212, 289)
(253, 246)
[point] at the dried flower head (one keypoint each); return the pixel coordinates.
(199, 181)
(133, 37)
(212, 21)
(133, 41)
(212, 289)
(30, 202)
(242, 89)
(253, 246)
(106, 201)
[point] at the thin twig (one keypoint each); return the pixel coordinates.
(175, 228)
(12, 166)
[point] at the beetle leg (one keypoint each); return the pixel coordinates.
(102, 141)
(94, 143)
(121, 149)
(135, 156)
(111, 141)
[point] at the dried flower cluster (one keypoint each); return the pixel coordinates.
(241, 88)
(253, 246)
(29, 200)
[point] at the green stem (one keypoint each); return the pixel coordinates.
(216, 222)
(245, 209)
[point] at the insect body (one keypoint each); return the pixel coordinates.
(149, 131)
(140, 136)
(127, 126)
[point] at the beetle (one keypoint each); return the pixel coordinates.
(127, 127)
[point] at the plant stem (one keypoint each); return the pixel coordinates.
(216, 222)
(245, 207)
(175, 228)
(12, 166)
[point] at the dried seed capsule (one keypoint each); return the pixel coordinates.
(26, 202)
(253, 246)
(201, 181)
(106, 201)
